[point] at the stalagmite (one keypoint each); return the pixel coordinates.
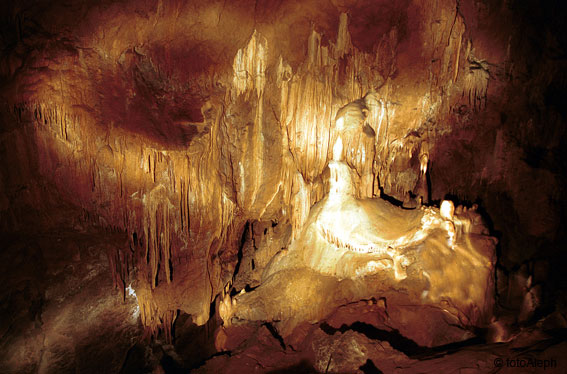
(447, 209)
(225, 309)
(181, 151)
(282, 162)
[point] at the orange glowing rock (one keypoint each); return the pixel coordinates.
(378, 247)
(180, 152)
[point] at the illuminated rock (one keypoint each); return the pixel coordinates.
(352, 249)
(447, 209)
(233, 145)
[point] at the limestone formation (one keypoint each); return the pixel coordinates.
(279, 180)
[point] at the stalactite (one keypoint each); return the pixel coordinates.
(309, 103)
(343, 44)
(249, 69)
(476, 82)
(250, 65)
(152, 317)
(113, 172)
(174, 202)
(301, 204)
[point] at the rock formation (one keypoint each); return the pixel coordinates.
(283, 169)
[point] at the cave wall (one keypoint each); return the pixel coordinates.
(179, 122)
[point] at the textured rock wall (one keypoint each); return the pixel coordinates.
(179, 122)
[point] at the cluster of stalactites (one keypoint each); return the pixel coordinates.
(153, 318)
(311, 97)
(163, 199)
(157, 231)
(250, 66)
(249, 77)
(309, 100)
(168, 198)
(120, 261)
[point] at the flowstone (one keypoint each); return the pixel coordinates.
(355, 249)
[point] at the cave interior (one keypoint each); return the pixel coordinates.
(302, 186)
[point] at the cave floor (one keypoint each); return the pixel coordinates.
(361, 348)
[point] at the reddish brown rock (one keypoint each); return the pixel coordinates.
(188, 144)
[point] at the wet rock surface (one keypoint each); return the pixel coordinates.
(360, 347)
(167, 170)
(61, 312)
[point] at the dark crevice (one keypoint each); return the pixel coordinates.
(212, 308)
(392, 200)
(170, 366)
(158, 268)
(204, 361)
(399, 342)
(249, 288)
(396, 340)
(252, 236)
(243, 238)
(135, 360)
(169, 264)
(193, 344)
(370, 368)
(275, 334)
